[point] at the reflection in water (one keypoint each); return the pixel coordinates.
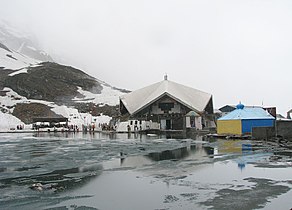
(110, 166)
(122, 158)
(191, 152)
(181, 153)
(246, 151)
(210, 150)
(241, 165)
(95, 135)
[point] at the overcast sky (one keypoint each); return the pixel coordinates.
(236, 50)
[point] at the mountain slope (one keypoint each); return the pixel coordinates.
(51, 82)
(30, 88)
(9, 59)
(21, 42)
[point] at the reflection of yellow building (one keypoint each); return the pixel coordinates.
(230, 147)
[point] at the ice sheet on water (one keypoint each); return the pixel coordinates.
(253, 198)
(64, 163)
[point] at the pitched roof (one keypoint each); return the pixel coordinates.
(247, 113)
(190, 97)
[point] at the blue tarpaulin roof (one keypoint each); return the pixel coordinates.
(247, 113)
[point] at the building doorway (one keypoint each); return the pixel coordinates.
(165, 124)
(168, 125)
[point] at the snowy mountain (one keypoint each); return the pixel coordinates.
(21, 42)
(49, 90)
(18, 110)
(10, 59)
(31, 88)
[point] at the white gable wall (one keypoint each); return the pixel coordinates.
(194, 122)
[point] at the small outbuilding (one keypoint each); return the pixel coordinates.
(243, 119)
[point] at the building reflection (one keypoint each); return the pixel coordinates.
(242, 148)
(194, 151)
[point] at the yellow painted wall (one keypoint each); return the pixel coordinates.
(229, 127)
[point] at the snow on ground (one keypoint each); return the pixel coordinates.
(11, 99)
(32, 48)
(7, 120)
(103, 119)
(79, 119)
(14, 60)
(108, 96)
(74, 117)
(19, 72)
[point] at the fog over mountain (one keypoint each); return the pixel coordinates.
(21, 42)
(32, 88)
(235, 50)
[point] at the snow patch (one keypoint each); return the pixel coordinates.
(32, 48)
(8, 122)
(80, 119)
(11, 99)
(103, 119)
(15, 61)
(18, 72)
(44, 53)
(108, 96)
(21, 47)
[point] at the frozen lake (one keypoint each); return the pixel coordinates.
(121, 171)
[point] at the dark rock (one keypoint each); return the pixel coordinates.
(26, 112)
(52, 82)
(97, 110)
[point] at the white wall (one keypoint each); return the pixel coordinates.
(188, 122)
(198, 122)
(145, 125)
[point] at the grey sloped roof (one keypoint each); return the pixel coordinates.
(190, 97)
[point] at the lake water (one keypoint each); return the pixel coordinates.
(121, 171)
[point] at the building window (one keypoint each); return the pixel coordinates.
(166, 107)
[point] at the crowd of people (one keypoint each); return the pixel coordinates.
(107, 127)
(70, 127)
